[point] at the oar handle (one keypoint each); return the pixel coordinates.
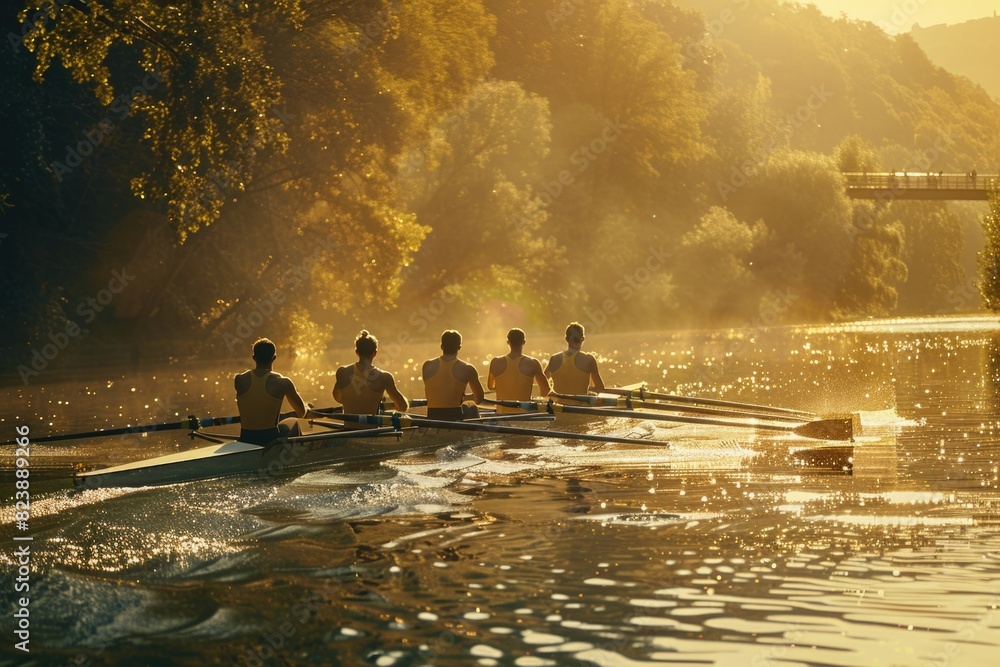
(596, 400)
(520, 405)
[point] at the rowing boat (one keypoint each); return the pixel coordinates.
(321, 443)
(325, 442)
(317, 445)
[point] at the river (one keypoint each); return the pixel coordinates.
(722, 549)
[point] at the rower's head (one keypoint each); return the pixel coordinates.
(574, 335)
(366, 345)
(264, 352)
(451, 342)
(515, 338)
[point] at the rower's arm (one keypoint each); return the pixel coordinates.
(478, 393)
(340, 385)
(294, 399)
(400, 401)
(552, 365)
(595, 377)
(491, 379)
(543, 382)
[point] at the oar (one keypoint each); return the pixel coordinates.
(191, 423)
(422, 402)
(825, 429)
(401, 420)
(690, 400)
(626, 402)
(520, 416)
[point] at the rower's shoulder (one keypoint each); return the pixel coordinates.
(530, 362)
(277, 379)
(381, 373)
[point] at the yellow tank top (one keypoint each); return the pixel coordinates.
(258, 409)
(358, 398)
(443, 390)
(568, 379)
(513, 385)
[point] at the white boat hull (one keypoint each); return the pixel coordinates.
(318, 446)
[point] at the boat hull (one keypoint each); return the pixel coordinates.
(316, 447)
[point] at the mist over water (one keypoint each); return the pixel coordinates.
(723, 548)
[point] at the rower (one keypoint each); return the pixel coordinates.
(259, 394)
(360, 387)
(446, 379)
(573, 371)
(512, 375)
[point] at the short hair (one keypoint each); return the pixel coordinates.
(263, 350)
(451, 341)
(365, 344)
(574, 326)
(515, 336)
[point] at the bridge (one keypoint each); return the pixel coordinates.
(934, 186)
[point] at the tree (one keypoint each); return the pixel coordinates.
(854, 154)
(870, 285)
(935, 244)
(989, 257)
(715, 279)
(472, 183)
(800, 197)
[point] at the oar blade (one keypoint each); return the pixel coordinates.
(827, 429)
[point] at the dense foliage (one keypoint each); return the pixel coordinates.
(212, 170)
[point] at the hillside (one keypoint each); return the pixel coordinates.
(970, 49)
(624, 162)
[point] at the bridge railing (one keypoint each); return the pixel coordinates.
(924, 181)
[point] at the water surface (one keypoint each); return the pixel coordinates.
(722, 549)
